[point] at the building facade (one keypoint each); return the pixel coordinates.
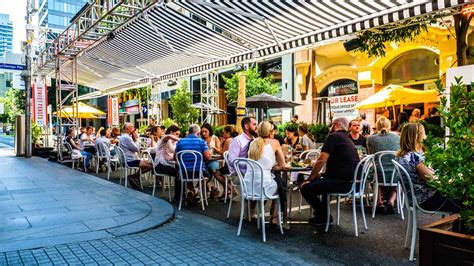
(6, 35)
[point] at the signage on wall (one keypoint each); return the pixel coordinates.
(342, 87)
(131, 103)
(132, 109)
(113, 111)
(39, 103)
(342, 105)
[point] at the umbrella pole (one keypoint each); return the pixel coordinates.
(394, 113)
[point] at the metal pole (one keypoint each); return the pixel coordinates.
(27, 78)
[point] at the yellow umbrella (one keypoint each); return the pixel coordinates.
(84, 111)
(397, 95)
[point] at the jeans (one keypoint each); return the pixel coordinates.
(322, 186)
(171, 171)
(87, 159)
(212, 167)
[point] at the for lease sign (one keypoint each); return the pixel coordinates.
(342, 105)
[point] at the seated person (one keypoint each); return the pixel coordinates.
(411, 158)
(71, 136)
(115, 135)
(354, 133)
(267, 151)
(87, 142)
(340, 157)
(164, 162)
(130, 148)
(193, 142)
(214, 146)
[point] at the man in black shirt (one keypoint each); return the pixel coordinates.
(340, 157)
(434, 118)
(355, 136)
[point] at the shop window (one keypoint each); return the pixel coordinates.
(416, 65)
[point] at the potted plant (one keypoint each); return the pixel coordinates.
(451, 240)
(319, 131)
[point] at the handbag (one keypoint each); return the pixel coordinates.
(76, 154)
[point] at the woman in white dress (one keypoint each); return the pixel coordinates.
(267, 151)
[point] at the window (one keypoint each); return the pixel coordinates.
(415, 65)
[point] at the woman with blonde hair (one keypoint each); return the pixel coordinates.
(415, 115)
(411, 158)
(267, 151)
(384, 140)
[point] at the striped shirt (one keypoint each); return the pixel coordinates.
(194, 143)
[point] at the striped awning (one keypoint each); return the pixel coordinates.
(173, 39)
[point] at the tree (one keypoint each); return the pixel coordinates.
(255, 84)
(14, 104)
(373, 41)
(183, 113)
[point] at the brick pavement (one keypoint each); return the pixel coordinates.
(189, 239)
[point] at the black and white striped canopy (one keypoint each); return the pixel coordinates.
(166, 43)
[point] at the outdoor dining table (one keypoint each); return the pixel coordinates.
(285, 175)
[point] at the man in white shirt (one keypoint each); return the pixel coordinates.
(130, 148)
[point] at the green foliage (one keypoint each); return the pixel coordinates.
(142, 129)
(168, 122)
(255, 84)
(183, 113)
(36, 132)
(217, 130)
(281, 129)
(452, 156)
(374, 41)
(14, 104)
(319, 132)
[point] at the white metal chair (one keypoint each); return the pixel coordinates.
(103, 152)
(191, 175)
(68, 149)
(412, 205)
(309, 154)
(165, 178)
(364, 164)
(251, 195)
(379, 159)
(126, 168)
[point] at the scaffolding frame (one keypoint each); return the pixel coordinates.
(209, 96)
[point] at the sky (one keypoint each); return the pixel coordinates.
(17, 11)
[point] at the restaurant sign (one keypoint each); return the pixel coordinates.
(342, 87)
(39, 103)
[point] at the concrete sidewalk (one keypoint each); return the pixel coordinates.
(45, 204)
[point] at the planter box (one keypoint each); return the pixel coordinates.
(440, 245)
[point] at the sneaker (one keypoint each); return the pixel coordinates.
(319, 221)
(390, 209)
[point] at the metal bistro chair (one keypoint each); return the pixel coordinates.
(191, 175)
(366, 164)
(392, 182)
(412, 206)
(309, 154)
(166, 178)
(250, 195)
(68, 148)
(123, 164)
(103, 152)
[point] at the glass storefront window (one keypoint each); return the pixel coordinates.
(415, 65)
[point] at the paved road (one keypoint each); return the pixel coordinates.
(6, 141)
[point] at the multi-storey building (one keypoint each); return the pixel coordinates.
(6, 35)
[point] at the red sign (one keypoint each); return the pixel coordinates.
(40, 104)
(113, 111)
(132, 109)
